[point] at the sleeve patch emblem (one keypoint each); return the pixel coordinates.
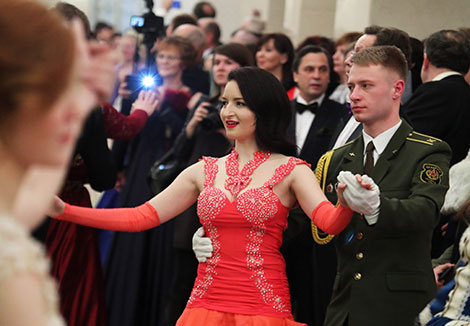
(431, 173)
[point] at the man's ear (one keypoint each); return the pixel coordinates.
(295, 76)
(426, 62)
(398, 88)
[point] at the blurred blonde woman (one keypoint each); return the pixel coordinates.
(46, 90)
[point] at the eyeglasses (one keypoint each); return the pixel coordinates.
(169, 57)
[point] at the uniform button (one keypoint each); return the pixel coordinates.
(357, 276)
(359, 255)
(360, 235)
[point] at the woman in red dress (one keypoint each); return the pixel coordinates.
(243, 203)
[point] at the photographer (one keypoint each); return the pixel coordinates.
(203, 135)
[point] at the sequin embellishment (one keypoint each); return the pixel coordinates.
(260, 206)
(237, 181)
(257, 206)
(209, 205)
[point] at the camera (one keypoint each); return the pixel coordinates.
(148, 23)
(212, 120)
(137, 22)
(151, 26)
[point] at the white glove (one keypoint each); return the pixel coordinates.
(360, 199)
(202, 246)
(459, 187)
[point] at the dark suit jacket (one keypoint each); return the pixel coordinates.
(384, 273)
(311, 268)
(327, 118)
(442, 109)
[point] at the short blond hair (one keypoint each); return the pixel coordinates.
(388, 56)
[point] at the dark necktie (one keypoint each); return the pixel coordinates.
(301, 108)
(369, 165)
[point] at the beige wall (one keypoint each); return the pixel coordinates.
(309, 17)
(417, 17)
(81, 4)
(351, 15)
(421, 17)
(301, 18)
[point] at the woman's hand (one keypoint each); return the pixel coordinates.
(146, 101)
(199, 115)
(439, 270)
(56, 208)
(101, 75)
(340, 192)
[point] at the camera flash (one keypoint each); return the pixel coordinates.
(148, 81)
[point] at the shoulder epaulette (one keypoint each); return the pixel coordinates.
(321, 172)
(322, 168)
(422, 138)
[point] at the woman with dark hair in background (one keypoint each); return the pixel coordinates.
(275, 54)
(243, 202)
(204, 135)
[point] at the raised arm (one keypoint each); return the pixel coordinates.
(181, 194)
(313, 202)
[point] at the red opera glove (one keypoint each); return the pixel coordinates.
(331, 219)
(134, 219)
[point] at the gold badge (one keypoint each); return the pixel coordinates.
(431, 173)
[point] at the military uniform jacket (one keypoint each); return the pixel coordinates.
(384, 274)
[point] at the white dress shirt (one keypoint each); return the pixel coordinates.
(380, 141)
(347, 131)
(443, 75)
(304, 121)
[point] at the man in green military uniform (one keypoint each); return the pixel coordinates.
(384, 274)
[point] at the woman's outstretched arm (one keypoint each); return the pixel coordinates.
(180, 195)
(314, 203)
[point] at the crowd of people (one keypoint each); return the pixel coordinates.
(248, 183)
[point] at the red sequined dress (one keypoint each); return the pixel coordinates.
(244, 282)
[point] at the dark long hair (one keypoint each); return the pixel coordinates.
(266, 97)
(283, 45)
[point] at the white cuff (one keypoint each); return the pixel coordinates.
(372, 219)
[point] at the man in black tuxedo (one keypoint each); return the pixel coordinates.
(310, 268)
(440, 107)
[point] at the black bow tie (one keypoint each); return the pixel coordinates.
(310, 107)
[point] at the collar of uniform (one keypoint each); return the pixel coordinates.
(300, 99)
(380, 141)
(443, 75)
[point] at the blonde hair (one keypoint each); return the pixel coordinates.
(388, 56)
